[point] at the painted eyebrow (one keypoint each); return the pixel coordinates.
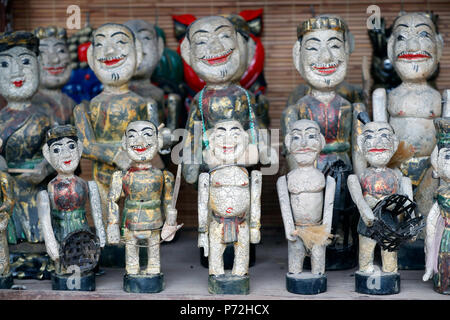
(221, 128)
(25, 54)
(402, 25)
(423, 24)
(335, 38)
(201, 30)
(146, 128)
(100, 35)
(120, 32)
(5, 55)
(222, 26)
(315, 39)
(366, 131)
(57, 144)
(235, 128)
(132, 130)
(384, 129)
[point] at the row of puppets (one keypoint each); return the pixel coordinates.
(355, 182)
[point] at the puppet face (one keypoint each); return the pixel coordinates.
(322, 58)
(141, 141)
(214, 50)
(228, 141)
(414, 47)
(152, 46)
(64, 155)
(54, 63)
(378, 143)
(112, 54)
(19, 74)
(304, 142)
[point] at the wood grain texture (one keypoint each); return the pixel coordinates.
(279, 35)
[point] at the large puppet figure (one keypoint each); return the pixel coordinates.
(148, 208)
(321, 56)
(306, 202)
(22, 130)
(152, 49)
(114, 56)
(437, 244)
(215, 50)
(414, 48)
(62, 213)
(54, 69)
(229, 205)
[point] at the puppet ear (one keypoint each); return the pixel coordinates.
(160, 47)
(80, 147)
(322, 141)
(160, 141)
(439, 45)
(360, 142)
(46, 152)
(90, 56)
(390, 48)
(124, 142)
(296, 56)
(185, 48)
(396, 142)
(434, 159)
(350, 42)
(241, 41)
(138, 46)
(287, 142)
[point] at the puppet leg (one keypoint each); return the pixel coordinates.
(242, 251)
(153, 264)
(366, 251)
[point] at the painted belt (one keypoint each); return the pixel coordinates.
(27, 164)
(335, 147)
(146, 205)
(230, 227)
(415, 168)
(68, 215)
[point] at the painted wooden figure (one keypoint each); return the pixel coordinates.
(378, 143)
(22, 129)
(217, 53)
(306, 201)
(148, 207)
(152, 50)
(321, 56)
(6, 207)
(54, 71)
(229, 205)
(415, 49)
(114, 56)
(62, 211)
(437, 242)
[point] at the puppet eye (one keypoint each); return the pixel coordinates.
(56, 150)
(72, 146)
(5, 64)
(311, 49)
(424, 34)
(400, 38)
(26, 61)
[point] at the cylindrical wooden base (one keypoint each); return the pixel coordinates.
(6, 282)
(229, 284)
(147, 283)
(377, 283)
(306, 283)
(73, 282)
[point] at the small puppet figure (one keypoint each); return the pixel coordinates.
(55, 70)
(6, 207)
(377, 185)
(62, 213)
(229, 205)
(437, 242)
(148, 207)
(307, 209)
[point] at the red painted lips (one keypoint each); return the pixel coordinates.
(67, 162)
(55, 70)
(112, 61)
(413, 56)
(18, 84)
(377, 150)
(220, 59)
(326, 70)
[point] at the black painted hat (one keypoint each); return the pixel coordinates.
(24, 39)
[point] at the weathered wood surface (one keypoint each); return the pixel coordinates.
(186, 279)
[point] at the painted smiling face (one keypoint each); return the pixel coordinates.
(304, 142)
(414, 47)
(322, 57)
(228, 141)
(113, 54)
(64, 154)
(378, 143)
(213, 49)
(54, 63)
(19, 74)
(152, 46)
(141, 141)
